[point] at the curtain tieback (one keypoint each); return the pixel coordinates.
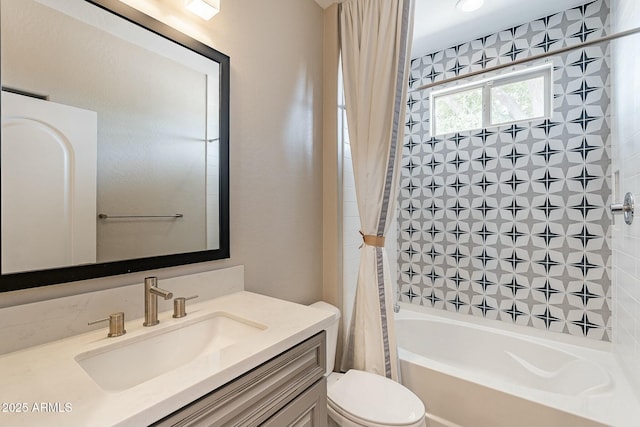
(369, 240)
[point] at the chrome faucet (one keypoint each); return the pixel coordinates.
(151, 294)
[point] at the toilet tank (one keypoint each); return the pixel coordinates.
(332, 332)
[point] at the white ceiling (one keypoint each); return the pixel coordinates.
(438, 24)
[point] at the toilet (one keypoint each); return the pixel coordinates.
(364, 399)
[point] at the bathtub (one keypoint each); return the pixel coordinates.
(476, 372)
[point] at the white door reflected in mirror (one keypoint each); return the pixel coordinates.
(48, 184)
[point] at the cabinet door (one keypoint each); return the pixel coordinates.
(257, 396)
(307, 410)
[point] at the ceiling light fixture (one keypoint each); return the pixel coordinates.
(204, 9)
(469, 5)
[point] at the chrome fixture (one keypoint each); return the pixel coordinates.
(116, 324)
(626, 207)
(179, 306)
(151, 294)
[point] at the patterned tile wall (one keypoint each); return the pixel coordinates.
(509, 222)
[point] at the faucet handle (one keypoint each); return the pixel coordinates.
(116, 324)
(179, 306)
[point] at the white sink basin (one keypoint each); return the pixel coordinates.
(131, 361)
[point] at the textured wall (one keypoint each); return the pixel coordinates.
(510, 222)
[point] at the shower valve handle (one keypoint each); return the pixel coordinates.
(626, 208)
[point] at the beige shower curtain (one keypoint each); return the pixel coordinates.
(375, 42)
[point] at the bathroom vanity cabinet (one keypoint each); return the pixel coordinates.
(288, 390)
(241, 359)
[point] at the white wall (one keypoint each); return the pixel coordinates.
(351, 226)
(625, 14)
(276, 165)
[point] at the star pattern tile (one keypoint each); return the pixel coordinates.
(432, 298)
(547, 317)
(514, 155)
(514, 312)
(457, 279)
(457, 302)
(547, 290)
(510, 222)
(585, 295)
(585, 324)
(514, 286)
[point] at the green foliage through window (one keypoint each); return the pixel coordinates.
(517, 101)
(506, 99)
(459, 111)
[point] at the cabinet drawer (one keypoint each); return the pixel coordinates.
(307, 410)
(257, 395)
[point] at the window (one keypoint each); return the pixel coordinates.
(457, 111)
(518, 96)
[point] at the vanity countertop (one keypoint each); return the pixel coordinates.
(45, 385)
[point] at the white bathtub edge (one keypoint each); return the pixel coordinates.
(620, 407)
(520, 330)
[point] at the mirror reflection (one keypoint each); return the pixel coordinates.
(110, 139)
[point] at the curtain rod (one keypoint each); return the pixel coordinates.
(530, 58)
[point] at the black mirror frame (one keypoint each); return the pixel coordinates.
(32, 279)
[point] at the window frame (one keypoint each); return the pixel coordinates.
(545, 71)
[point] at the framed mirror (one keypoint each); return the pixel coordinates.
(115, 143)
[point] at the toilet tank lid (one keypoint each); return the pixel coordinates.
(321, 305)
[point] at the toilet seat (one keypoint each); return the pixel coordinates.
(372, 400)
